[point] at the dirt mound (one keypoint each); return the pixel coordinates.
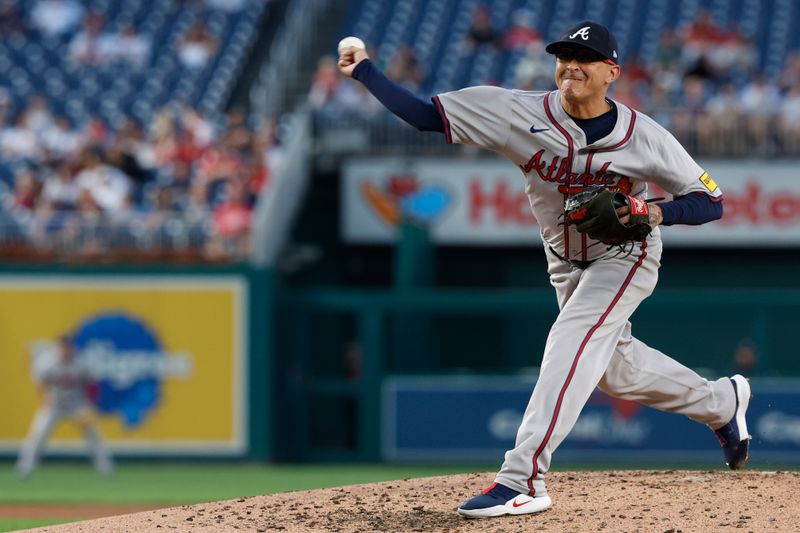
(661, 501)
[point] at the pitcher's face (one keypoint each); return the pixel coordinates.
(583, 75)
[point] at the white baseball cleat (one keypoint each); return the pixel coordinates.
(499, 500)
(733, 436)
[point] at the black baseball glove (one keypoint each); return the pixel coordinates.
(593, 211)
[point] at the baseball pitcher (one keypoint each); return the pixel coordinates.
(63, 380)
(587, 162)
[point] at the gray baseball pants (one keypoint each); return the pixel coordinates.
(590, 345)
(44, 422)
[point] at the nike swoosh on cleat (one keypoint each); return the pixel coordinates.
(520, 504)
(535, 130)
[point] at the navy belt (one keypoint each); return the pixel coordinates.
(574, 262)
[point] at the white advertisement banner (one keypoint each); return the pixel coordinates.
(483, 203)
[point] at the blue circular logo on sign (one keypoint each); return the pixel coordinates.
(123, 352)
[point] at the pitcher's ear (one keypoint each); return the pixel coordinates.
(613, 74)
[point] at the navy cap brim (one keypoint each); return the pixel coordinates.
(555, 46)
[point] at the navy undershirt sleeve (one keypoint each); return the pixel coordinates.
(692, 209)
(420, 114)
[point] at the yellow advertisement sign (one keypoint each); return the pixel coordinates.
(162, 359)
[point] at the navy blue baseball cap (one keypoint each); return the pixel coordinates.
(589, 35)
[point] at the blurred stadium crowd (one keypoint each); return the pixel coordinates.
(113, 144)
(702, 81)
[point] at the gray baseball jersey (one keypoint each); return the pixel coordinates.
(533, 130)
(590, 344)
(65, 383)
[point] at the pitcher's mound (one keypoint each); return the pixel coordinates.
(660, 501)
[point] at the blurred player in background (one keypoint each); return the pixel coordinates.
(63, 381)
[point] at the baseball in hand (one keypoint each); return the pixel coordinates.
(350, 42)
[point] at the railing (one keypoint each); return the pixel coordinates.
(77, 237)
(278, 204)
(283, 72)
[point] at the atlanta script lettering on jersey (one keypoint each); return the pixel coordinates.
(557, 171)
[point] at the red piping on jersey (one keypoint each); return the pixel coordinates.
(588, 336)
(624, 139)
(583, 235)
(564, 132)
(447, 135)
(589, 162)
(583, 247)
(560, 128)
(589, 165)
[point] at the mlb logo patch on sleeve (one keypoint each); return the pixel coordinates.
(708, 182)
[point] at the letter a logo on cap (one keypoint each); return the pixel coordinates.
(583, 32)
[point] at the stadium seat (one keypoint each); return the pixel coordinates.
(39, 60)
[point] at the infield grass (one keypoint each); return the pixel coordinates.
(15, 524)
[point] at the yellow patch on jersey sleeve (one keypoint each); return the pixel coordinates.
(708, 182)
